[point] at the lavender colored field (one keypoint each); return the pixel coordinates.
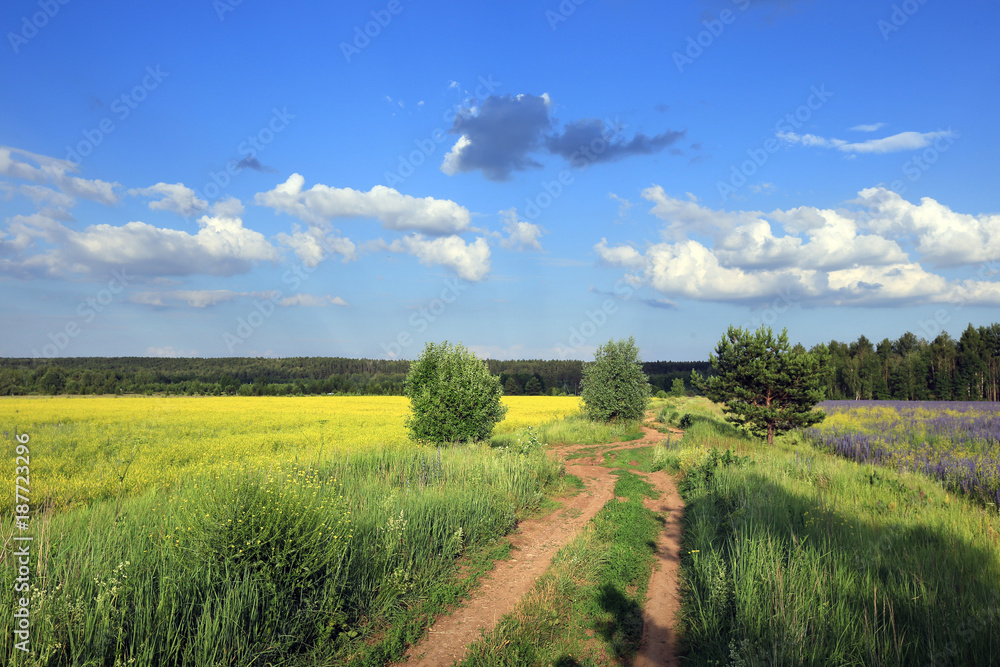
(957, 443)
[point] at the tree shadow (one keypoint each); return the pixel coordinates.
(891, 595)
(624, 631)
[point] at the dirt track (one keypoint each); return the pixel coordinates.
(536, 542)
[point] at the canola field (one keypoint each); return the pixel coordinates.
(96, 448)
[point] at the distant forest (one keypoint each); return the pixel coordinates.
(908, 368)
(244, 376)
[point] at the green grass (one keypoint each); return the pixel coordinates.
(795, 557)
(587, 608)
(343, 563)
(575, 430)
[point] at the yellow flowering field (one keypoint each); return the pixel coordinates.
(88, 448)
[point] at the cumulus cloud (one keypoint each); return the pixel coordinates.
(175, 197)
(498, 136)
(321, 204)
(313, 245)
(193, 298)
(504, 134)
(941, 236)
(521, 235)
(821, 256)
(904, 141)
(223, 246)
(471, 261)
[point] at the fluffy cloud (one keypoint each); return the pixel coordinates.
(904, 141)
(175, 197)
(313, 245)
(520, 235)
(941, 236)
(498, 136)
(321, 204)
(818, 255)
(223, 246)
(470, 261)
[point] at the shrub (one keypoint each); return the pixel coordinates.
(614, 386)
(453, 396)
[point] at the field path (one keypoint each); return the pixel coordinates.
(536, 542)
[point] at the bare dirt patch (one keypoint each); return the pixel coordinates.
(536, 542)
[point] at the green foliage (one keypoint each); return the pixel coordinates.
(677, 389)
(614, 386)
(767, 386)
(661, 394)
(453, 396)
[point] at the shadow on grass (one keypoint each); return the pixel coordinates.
(774, 577)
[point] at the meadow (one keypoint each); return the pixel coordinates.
(956, 443)
(167, 522)
(795, 556)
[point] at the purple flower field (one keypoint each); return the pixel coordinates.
(957, 443)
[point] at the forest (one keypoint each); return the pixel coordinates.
(907, 368)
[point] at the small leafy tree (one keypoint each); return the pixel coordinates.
(767, 386)
(453, 396)
(614, 386)
(677, 389)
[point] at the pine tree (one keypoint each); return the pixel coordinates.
(766, 386)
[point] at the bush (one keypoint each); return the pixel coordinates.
(453, 396)
(614, 386)
(661, 394)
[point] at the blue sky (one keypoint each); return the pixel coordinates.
(260, 179)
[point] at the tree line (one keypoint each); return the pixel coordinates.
(911, 368)
(246, 376)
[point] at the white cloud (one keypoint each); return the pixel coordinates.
(819, 255)
(55, 172)
(872, 127)
(313, 245)
(311, 300)
(470, 261)
(175, 197)
(453, 158)
(321, 204)
(520, 234)
(223, 246)
(904, 141)
(941, 236)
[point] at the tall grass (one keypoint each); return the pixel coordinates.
(288, 565)
(791, 556)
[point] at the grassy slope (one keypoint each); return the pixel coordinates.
(793, 556)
